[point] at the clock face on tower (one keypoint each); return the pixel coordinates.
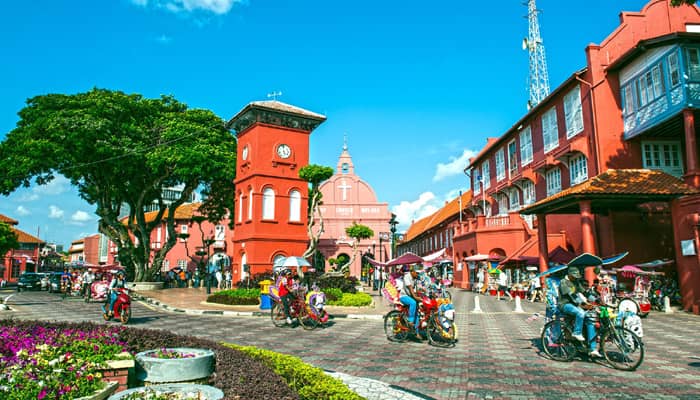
(284, 151)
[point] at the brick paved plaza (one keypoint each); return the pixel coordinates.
(496, 356)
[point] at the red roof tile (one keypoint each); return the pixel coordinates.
(8, 220)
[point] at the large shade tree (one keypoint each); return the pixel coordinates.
(677, 3)
(314, 175)
(8, 239)
(120, 150)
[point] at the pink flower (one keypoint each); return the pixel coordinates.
(41, 394)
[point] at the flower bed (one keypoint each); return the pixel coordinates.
(52, 362)
(237, 374)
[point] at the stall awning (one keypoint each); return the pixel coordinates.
(435, 256)
(375, 262)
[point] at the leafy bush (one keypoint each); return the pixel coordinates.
(309, 382)
(236, 297)
(351, 300)
(333, 294)
(346, 285)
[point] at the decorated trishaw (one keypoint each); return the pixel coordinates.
(632, 288)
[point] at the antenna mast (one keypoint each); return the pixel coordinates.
(538, 78)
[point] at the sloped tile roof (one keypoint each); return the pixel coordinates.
(449, 210)
(183, 212)
(284, 107)
(8, 220)
(24, 237)
(623, 183)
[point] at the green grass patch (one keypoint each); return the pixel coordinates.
(236, 297)
(351, 300)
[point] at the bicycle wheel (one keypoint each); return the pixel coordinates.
(555, 342)
(395, 326)
(628, 305)
(441, 334)
(622, 348)
(277, 315)
(307, 321)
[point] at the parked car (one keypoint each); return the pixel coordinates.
(55, 282)
(29, 281)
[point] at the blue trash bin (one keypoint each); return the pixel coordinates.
(265, 302)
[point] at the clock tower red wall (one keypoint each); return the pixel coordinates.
(271, 200)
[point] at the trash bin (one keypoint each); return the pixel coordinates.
(265, 301)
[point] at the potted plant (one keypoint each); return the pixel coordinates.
(178, 364)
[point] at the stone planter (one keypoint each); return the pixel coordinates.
(138, 286)
(107, 391)
(186, 390)
(152, 369)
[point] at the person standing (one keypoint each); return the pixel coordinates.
(219, 278)
(503, 285)
(88, 278)
(227, 279)
(377, 277)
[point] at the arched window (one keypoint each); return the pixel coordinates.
(295, 206)
(240, 207)
(250, 204)
(268, 204)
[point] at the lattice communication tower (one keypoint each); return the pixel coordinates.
(538, 79)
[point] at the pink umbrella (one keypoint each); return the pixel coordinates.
(408, 258)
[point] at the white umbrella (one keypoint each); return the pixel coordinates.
(289, 262)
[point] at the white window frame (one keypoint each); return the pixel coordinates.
(629, 103)
(503, 204)
(526, 146)
(183, 231)
(664, 156)
(578, 169)
(550, 132)
(528, 188)
(693, 55)
(240, 207)
(674, 70)
(514, 199)
(295, 206)
(553, 178)
(182, 263)
(573, 112)
(268, 204)
(250, 204)
(512, 158)
(500, 165)
(485, 175)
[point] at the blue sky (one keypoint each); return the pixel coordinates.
(416, 86)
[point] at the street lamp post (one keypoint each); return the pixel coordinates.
(393, 222)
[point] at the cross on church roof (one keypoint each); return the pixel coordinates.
(274, 95)
(345, 141)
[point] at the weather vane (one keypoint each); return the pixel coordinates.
(274, 95)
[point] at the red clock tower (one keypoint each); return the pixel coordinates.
(271, 200)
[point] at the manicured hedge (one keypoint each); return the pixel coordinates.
(236, 297)
(310, 383)
(352, 300)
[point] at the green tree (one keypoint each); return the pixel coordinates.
(8, 238)
(357, 232)
(678, 3)
(314, 175)
(123, 149)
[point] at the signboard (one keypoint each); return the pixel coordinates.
(688, 247)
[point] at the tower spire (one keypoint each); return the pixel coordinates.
(538, 79)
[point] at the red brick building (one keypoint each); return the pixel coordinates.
(23, 258)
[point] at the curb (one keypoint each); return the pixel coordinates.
(226, 313)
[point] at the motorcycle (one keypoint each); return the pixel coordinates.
(97, 291)
(121, 308)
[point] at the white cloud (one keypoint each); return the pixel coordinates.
(219, 7)
(164, 39)
(80, 216)
(406, 211)
(454, 167)
(28, 197)
(55, 212)
(22, 211)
